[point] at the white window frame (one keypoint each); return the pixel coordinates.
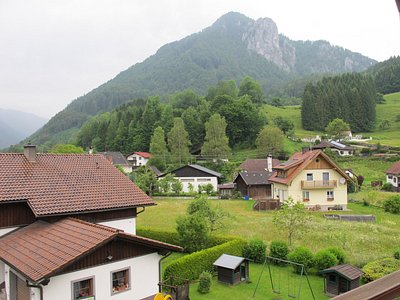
(330, 195)
(306, 199)
(128, 269)
(84, 279)
(311, 176)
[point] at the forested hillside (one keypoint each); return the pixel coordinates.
(229, 49)
(350, 97)
(387, 75)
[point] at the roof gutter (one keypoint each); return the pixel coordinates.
(39, 286)
(159, 271)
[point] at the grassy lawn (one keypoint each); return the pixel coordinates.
(283, 278)
(362, 242)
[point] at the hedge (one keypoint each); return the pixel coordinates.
(192, 265)
(379, 268)
(172, 237)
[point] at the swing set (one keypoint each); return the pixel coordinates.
(276, 277)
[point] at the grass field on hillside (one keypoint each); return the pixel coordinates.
(388, 111)
(362, 242)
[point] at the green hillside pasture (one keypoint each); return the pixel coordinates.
(387, 111)
(372, 168)
(363, 242)
(283, 277)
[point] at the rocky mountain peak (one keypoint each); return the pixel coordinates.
(263, 38)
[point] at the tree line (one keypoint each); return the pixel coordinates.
(350, 97)
(227, 116)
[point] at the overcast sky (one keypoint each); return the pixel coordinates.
(53, 51)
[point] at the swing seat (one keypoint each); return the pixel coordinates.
(276, 291)
(291, 296)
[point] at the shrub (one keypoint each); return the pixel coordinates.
(193, 232)
(279, 249)
(204, 282)
(388, 187)
(379, 268)
(255, 250)
(191, 266)
(392, 205)
(339, 254)
(396, 254)
(324, 259)
(301, 255)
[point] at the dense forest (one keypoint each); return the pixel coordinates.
(350, 97)
(387, 75)
(130, 127)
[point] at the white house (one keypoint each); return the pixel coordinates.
(393, 175)
(67, 230)
(139, 159)
(337, 147)
(118, 159)
(193, 176)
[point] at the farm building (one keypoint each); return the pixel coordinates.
(393, 175)
(341, 279)
(232, 269)
(195, 176)
(336, 147)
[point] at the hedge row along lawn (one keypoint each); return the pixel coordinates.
(362, 242)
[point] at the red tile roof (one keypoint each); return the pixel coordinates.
(298, 162)
(257, 165)
(42, 249)
(394, 169)
(67, 183)
(143, 154)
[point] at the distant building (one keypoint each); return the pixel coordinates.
(118, 159)
(138, 159)
(393, 175)
(337, 147)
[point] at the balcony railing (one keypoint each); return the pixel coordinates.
(318, 184)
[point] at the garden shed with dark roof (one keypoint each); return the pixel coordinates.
(341, 279)
(232, 269)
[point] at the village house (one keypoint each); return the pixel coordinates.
(393, 175)
(336, 147)
(138, 159)
(195, 176)
(311, 177)
(68, 230)
(118, 160)
(252, 180)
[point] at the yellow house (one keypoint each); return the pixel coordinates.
(313, 178)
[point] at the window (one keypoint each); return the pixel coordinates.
(390, 176)
(203, 179)
(310, 177)
(187, 180)
(394, 179)
(329, 195)
(306, 196)
(120, 281)
(332, 278)
(83, 289)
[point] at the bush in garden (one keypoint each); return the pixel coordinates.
(388, 187)
(193, 232)
(379, 268)
(324, 259)
(301, 255)
(279, 249)
(392, 205)
(396, 254)
(204, 282)
(339, 254)
(255, 250)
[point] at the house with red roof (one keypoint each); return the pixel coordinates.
(313, 178)
(393, 175)
(68, 230)
(138, 159)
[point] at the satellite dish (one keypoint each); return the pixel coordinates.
(342, 180)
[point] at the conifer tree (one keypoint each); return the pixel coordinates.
(178, 142)
(216, 143)
(158, 149)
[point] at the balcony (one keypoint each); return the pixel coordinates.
(318, 184)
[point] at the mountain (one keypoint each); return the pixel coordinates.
(233, 47)
(387, 75)
(16, 125)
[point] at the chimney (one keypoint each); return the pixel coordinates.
(30, 152)
(269, 163)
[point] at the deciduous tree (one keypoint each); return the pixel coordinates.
(270, 140)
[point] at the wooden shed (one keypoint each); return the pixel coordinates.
(232, 269)
(341, 279)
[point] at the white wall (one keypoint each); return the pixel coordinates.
(144, 279)
(127, 225)
(4, 231)
(1, 271)
(196, 182)
(394, 180)
(137, 160)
